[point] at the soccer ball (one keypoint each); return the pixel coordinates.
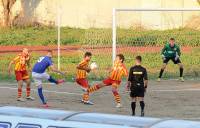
(93, 66)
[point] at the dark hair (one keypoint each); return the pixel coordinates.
(172, 39)
(121, 57)
(138, 58)
(51, 51)
(88, 54)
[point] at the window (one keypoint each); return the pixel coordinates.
(5, 125)
(28, 126)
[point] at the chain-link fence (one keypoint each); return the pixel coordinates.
(145, 39)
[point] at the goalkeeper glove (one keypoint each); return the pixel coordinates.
(163, 57)
(177, 57)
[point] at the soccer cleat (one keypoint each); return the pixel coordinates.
(118, 105)
(182, 79)
(159, 79)
(88, 102)
(45, 106)
(84, 89)
(30, 98)
(142, 113)
(21, 99)
(60, 81)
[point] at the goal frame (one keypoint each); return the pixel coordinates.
(114, 14)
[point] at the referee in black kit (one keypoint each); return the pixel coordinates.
(137, 84)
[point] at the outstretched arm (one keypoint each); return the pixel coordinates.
(9, 67)
(54, 69)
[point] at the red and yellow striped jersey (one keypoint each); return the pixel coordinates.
(80, 74)
(118, 71)
(21, 62)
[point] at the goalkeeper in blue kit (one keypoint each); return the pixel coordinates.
(171, 51)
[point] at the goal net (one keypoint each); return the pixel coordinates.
(145, 32)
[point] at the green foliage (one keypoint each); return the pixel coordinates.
(38, 36)
(102, 38)
(48, 36)
(152, 61)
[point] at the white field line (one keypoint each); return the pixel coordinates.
(71, 93)
(175, 90)
(47, 91)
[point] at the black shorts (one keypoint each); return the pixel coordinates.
(137, 91)
(173, 59)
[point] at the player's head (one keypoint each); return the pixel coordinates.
(120, 58)
(88, 56)
(172, 42)
(138, 60)
(25, 51)
(50, 53)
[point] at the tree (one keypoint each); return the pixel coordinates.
(198, 1)
(7, 7)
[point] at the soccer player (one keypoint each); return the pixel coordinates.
(137, 84)
(21, 62)
(171, 51)
(81, 76)
(39, 74)
(117, 72)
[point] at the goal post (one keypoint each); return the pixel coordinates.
(114, 22)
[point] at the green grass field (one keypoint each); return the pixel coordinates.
(74, 36)
(88, 39)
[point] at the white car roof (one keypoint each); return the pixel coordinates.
(35, 112)
(64, 118)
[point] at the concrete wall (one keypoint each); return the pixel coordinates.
(98, 13)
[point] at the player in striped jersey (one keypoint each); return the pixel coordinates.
(117, 72)
(21, 62)
(81, 76)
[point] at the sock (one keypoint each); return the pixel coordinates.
(19, 92)
(142, 105)
(161, 73)
(85, 97)
(133, 106)
(93, 88)
(40, 94)
(28, 91)
(117, 97)
(52, 80)
(181, 72)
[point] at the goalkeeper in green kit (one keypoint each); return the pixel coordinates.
(171, 51)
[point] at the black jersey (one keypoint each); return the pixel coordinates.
(137, 75)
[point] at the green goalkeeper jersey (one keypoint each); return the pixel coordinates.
(171, 52)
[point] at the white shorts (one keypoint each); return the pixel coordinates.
(38, 77)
